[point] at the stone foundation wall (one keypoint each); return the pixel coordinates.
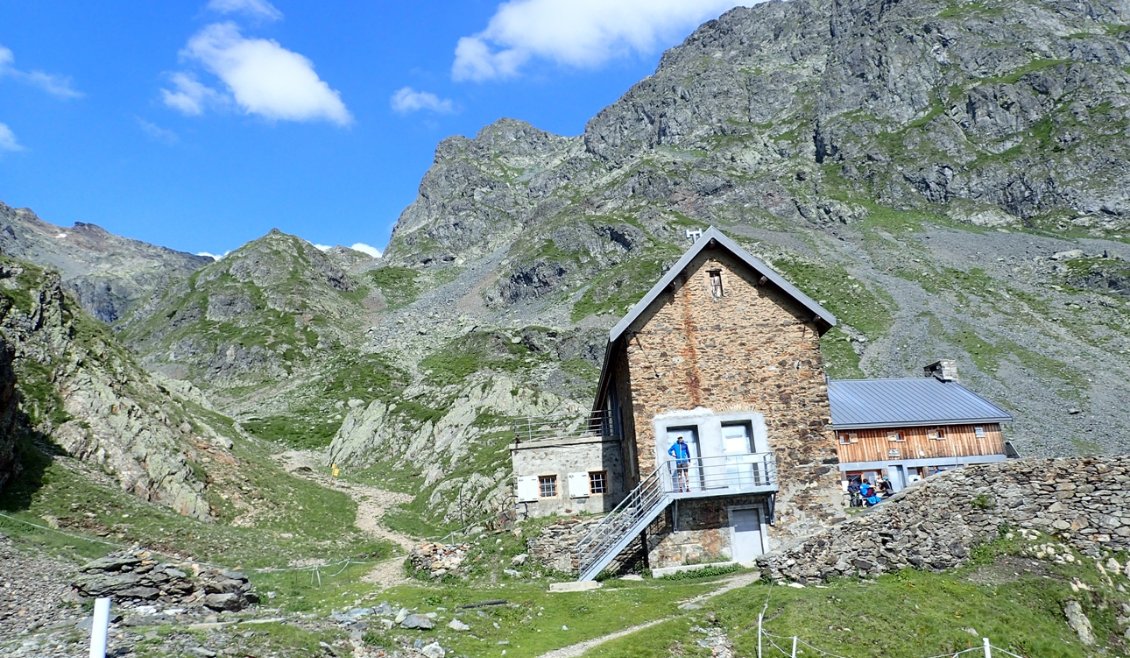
(701, 532)
(553, 547)
(1085, 502)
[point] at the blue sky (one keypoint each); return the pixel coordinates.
(202, 125)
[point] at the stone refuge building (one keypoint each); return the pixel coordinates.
(723, 353)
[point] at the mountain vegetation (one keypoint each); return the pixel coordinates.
(948, 177)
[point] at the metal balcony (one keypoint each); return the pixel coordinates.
(701, 477)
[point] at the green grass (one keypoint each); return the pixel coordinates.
(614, 291)
(533, 620)
(270, 639)
(288, 518)
(1020, 612)
(310, 421)
(987, 356)
(399, 285)
(1034, 66)
(853, 303)
(475, 352)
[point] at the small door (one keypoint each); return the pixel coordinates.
(747, 542)
(694, 472)
(897, 477)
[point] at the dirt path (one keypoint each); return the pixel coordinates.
(579, 649)
(372, 504)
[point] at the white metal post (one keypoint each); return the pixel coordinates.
(794, 646)
(988, 648)
(98, 628)
(759, 616)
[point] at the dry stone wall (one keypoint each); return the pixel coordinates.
(1085, 502)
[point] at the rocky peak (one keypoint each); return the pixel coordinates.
(254, 316)
(110, 275)
(475, 195)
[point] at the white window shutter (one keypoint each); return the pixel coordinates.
(579, 484)
(527, 488)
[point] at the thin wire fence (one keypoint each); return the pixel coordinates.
(315, 570)
(802, 647)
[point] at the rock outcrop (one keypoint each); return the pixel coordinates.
(90, 397)
(9, 413)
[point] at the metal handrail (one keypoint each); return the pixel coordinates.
(533, 428)
(717, 475)
(625, 515)
(751, 471)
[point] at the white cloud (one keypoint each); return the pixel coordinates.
(8, 141)
(158, 133)
(366, 249)
(57, 85)
(254, 8)
(190, 96)
(407, 99)
(262, 78)
(208, 254)
(580, 33)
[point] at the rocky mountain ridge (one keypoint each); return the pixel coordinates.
(110, 275)
(945, 177)
(87, 395)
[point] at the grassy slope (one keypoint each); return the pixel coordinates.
(293, 519)
(1014, 600)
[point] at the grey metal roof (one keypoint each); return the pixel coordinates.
(709, 236)
(864, 403)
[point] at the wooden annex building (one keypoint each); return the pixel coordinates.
(908, 429)
(724, 353)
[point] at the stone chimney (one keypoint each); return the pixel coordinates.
(944, 370)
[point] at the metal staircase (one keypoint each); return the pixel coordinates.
(704, 477)
(616, 530)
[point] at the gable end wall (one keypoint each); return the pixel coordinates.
(753, 349)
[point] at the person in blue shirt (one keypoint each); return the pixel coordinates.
(867, 491)
(682, 456)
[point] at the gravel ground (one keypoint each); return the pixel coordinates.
(34, 591)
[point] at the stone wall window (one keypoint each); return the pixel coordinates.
(598, 482)
(716, 290)
(547, 486)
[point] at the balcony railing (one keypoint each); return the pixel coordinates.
(701, 477)
(555, 426)
(720, 475)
